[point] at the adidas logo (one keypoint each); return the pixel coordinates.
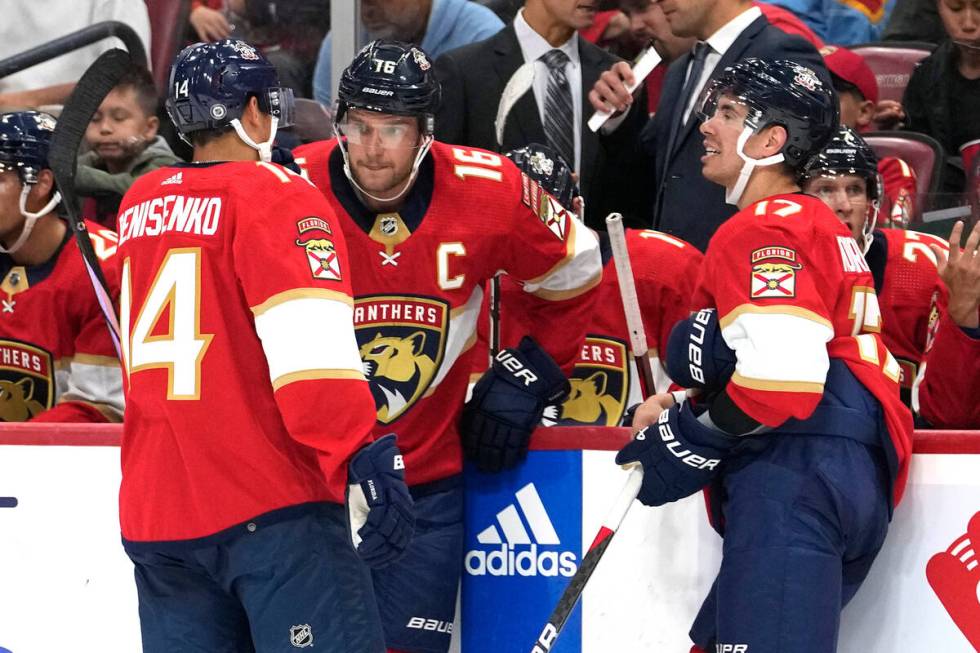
(177, 178)
(517, 552)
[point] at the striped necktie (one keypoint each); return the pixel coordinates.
(558, 124)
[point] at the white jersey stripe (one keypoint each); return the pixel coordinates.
(309, 333)
(779, 347)
(577, 271)
(537, 516)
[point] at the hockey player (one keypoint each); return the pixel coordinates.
(58, 361)
(605, 380)
(806, 443)
(248, 418)
(428, 224)
(951, 374)
(845, 176)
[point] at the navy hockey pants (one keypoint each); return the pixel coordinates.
(417, 593)
(803, 521)
(271, 587)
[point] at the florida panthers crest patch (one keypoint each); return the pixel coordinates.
(402, 340)
(27, 383)
(774, 272)
(546, 207)
(319, 252)
(600, 384)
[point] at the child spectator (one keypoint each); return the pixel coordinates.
(123, 141)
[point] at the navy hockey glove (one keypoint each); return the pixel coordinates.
(507, 405)
(697, 356)
(380, 518)
(679, 454)
(284, 157)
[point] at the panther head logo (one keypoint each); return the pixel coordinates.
(588, 402)
(399, 371)
(17, 403)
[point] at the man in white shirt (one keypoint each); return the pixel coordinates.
(548, 107)
(685, 204)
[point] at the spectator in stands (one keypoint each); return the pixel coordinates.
(30, 24)
(942, 98)
(857, 89)
(59, 362)
(436, 26)
(123, 144)
(842, 22)
(610, 31)
(287, 33)
(950, 387)
(549, 109)
(687, 205)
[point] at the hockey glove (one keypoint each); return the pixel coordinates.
(284, 157)
(697, 356)
(679, 454)
(507, 405)
(380, 518)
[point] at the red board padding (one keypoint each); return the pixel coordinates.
(558, 437)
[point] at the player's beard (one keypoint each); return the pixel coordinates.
(383, 182)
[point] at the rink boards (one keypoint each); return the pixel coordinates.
(65, 583)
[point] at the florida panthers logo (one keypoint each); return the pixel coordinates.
(27, 384)
(402, 341)
(600, 385)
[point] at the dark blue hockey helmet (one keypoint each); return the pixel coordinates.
(25, 137)
(781, 93)
(546, 166)
(211, 83)
(390, 77)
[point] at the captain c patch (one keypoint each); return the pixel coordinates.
(774, 272)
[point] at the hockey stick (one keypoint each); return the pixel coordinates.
(518, 84)
(563, 610)
(631, 304)
(100, 78)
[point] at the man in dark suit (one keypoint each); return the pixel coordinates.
(474, 78)
(685, 204)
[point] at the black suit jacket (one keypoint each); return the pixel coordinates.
(685, 203)
(473, 78)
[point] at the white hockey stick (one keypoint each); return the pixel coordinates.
(631, 304)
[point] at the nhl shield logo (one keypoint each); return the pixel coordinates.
(600, 384)
(27, 384)
(388, 225)
(301, 636)
(402, 340)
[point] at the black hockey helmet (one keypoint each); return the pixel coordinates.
(211, 83)
(546, 166)
(847, 154)
(390, 77)
(780, 93)
(25, 137)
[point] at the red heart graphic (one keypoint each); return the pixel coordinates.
(954, 575)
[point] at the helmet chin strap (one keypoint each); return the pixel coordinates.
(264, 148)
(29, 218)
(869, 227)
(734, 194)
(423, 150)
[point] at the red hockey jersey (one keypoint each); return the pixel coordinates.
(605, 380)
(899, 206)
(911, 296)
(57, 360)
(244, 391)
(949, 387)
(793, 290)
(419, 276)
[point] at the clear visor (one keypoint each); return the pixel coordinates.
(280, 103)
(387, 135)
(718, 101)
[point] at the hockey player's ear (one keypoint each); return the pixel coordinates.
(775, 138)
(41, 191)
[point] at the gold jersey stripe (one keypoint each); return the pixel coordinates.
(777, 386)
(779, 309)
(302, 293)
(308, 375)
